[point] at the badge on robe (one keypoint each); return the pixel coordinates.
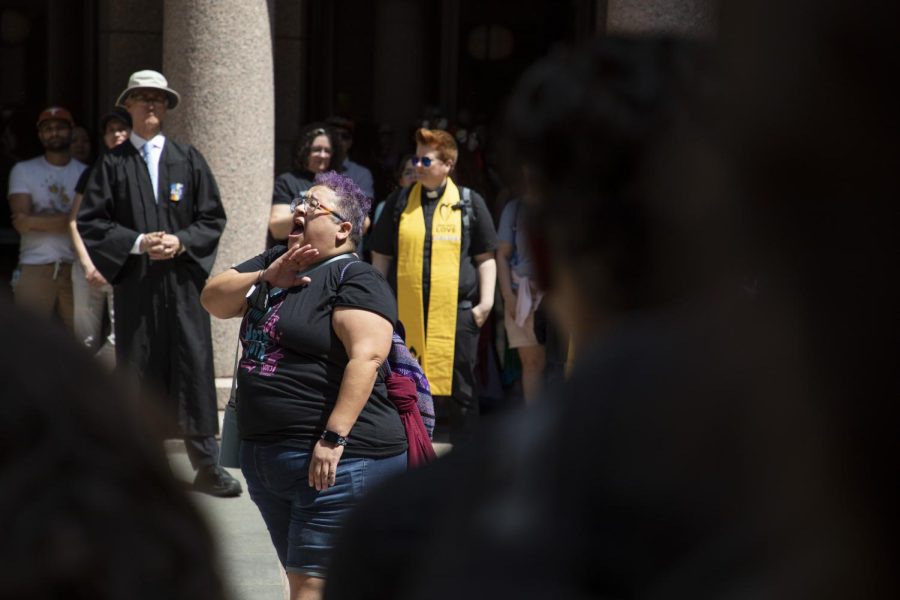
(176, 191)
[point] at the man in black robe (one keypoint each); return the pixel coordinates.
(151, 220)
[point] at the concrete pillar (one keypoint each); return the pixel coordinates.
(218, 55)
(695, 18)
(399, 65)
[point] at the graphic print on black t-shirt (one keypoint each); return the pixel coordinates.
(292, 365)
(261, 338)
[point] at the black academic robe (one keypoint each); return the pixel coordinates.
(162, 331)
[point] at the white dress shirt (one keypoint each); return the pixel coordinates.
(156, 148)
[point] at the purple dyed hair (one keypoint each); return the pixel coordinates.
(354, 204)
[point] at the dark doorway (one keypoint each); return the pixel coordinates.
(46, 58)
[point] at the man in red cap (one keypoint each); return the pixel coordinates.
(40, 197)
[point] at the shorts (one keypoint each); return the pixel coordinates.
(46, 290)
(518, 337)
(302, 522)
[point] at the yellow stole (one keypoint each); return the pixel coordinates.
(434, 353)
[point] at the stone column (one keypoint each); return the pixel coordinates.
(218, 55)
(695, 18)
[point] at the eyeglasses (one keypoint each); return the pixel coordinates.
(312, 203)
(425, 160)
(147, 98)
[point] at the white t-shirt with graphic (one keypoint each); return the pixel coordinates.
(52, 190)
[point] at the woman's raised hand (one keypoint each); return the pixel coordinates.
(284, 270)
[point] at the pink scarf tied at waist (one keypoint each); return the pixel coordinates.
(526, 301)
(402, 391)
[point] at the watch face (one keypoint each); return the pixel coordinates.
(333, 438)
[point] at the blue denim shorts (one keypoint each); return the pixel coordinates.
(303, 522)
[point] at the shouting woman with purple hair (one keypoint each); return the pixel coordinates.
(317, 426)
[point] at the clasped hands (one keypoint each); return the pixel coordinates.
(160, 245)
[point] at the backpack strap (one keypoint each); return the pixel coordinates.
(384, 371)
(400, 204)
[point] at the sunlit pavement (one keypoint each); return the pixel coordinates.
(248, 561)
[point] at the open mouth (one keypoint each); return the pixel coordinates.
(299, 227)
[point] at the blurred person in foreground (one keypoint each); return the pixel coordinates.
(316, 424)
(92, 293)
(90, 508)
(688, 453)
(317, 149)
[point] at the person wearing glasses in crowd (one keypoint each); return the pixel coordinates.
(404, 176)
(317, 149)
(151, 220)
(435, 244)
(316, 423)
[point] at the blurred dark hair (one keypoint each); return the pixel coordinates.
(589, 126)
(115, 113)
(90, 508)
(304, 142)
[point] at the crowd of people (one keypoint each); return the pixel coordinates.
(121, 252)
(680, 217)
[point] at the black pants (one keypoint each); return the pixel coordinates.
(462, 404)
(202, 451)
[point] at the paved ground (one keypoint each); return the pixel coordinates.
(249, 563)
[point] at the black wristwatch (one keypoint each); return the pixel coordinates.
(333, 438)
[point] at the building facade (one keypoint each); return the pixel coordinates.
(252, 72)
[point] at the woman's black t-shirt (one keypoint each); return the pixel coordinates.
(293, 362)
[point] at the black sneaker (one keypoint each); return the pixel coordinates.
(216, 481)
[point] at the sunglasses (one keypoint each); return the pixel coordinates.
(148, 98)
(425, 160)
(312, 203)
